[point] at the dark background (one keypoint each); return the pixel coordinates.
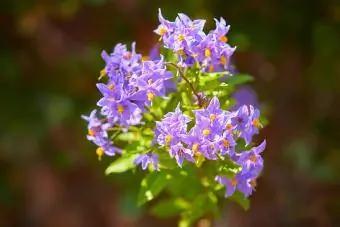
(49, 63)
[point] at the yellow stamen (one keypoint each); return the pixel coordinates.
(168, 139)
(223, 39)
(234, 181)
(111, 86)
(223, 60)
(207, 52)
(195, 147)
(256, 123)
(162, 30)
(206, 132)
(91, 132)
(100, 153)
(253, 158)
(120, 108)
(211, 68)
(212, 117)
(102, 73)
(253, 183)
(181, 52)
(145, 58)
(226, 143)
(229, 126)
(181, 37)
(128, 55)
(150, 95)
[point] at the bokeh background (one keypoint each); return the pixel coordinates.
(49, 63)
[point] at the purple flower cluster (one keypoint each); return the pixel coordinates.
(193, 46)
(132, 84)
(97, 133)
(214, 134)
(251, 163)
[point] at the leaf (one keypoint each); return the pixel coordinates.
(151, 186)
(120, 165)
(169, 208)
(210, 81)
(239, 198)
(238, 79)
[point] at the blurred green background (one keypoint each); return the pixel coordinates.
(49, 63)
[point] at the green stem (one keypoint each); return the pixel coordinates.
(199, 98)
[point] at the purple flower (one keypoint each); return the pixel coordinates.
(97, 133)
(181, 153)
(240, 182)
(246, 121)
(145, 159)
(172, 128)
(227, 144)
(251, 161)
(187, 38)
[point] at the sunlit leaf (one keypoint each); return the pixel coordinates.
(120, 165)
(151, 186)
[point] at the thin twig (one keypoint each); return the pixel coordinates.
(199, 98)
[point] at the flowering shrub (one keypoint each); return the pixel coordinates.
(171, 115)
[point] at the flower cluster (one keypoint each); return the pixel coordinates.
(193, 46)
(97, 133)
(132, 84)
(214, 135)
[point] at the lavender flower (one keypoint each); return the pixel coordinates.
(145, 159)
(180, 153)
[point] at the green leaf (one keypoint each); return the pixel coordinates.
(239, 79)
(151, 186)
(170, 208)
(210, 81)
(120, 165)
(240, 199)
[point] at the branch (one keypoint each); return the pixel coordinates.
(199, 98)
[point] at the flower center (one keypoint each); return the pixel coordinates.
(211, 68)
(234, 181)
(150, 81)
(223, 60)
(207, 52)
(181, 52)
(253, 158)
(162, 30)
(206, 132)
(256, 122)
(102, 73)
(253, 183)
(226, 143)
(229, 126)
(195, 147)
(181, 37)
(150, 95)
(111, 86)
(127, 55)
(212, 117)
(91, 132)
(168, 139)
(100, 152)
(223, 39)
(120, 108)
